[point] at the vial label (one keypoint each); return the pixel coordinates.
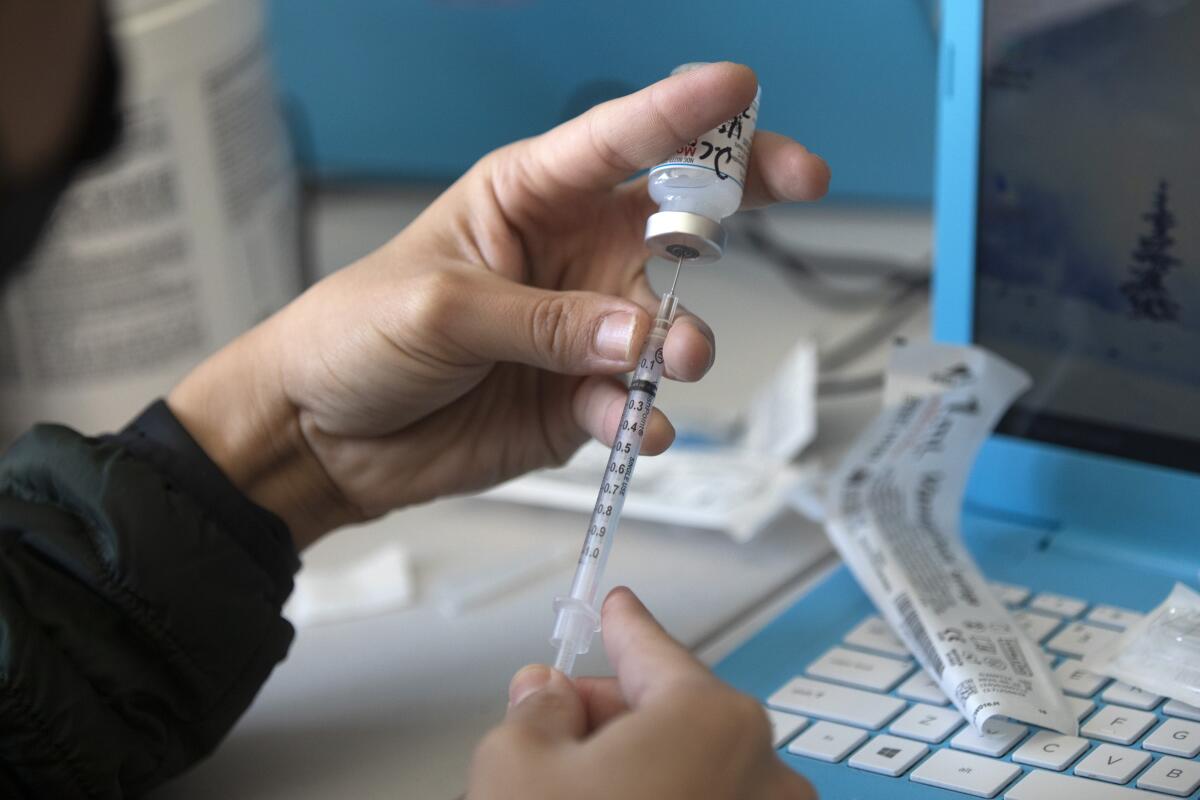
(725, 149)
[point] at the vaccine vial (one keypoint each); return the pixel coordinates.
(698, 186)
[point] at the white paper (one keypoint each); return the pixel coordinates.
(375, 582)
(893, 513)
(173, 244)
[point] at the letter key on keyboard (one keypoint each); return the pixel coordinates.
(1077, 680)
(927, 723)
(1050, 750)
(1117, 724)
(1171, 775)
(998, 738)
(1113, 764)
(1175, 737)
(1080, 639)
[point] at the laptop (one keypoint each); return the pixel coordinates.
(1068, 241)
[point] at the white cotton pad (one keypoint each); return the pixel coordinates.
(375, 582)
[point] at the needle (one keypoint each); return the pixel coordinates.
(674, 280)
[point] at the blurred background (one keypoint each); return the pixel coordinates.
(419, 90)
(267, 143)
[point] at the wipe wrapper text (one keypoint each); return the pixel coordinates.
(894, 508)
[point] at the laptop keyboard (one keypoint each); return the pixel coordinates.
(867, 703)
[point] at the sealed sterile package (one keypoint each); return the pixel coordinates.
(893, 512)
(1160, 653)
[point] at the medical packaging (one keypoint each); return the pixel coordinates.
(1161, 652)
(893, 512)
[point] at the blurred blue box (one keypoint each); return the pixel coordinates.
(418, 89)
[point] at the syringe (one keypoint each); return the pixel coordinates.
(578, 618)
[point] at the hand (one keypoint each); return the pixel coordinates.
(485, 339)
(664, 728)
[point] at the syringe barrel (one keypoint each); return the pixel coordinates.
(606, 514)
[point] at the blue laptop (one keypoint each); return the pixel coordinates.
(1068, 241)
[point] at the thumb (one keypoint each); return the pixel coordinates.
(545, 703)
(574, 333)
(646, 659)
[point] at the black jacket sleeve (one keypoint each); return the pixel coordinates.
(140, 598)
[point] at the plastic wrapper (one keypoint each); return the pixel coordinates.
(1161, 653)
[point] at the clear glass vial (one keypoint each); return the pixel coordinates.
(698, 186)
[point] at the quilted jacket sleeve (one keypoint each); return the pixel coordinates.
(140, 598)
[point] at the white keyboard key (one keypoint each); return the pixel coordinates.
(1077, 680)
(1009, 594)
(1117, 724)
(836, 703)
(1051, 750)
(922, 688)
(888, 755)
(1174, 708)
(864, 670)
(1172, 775)
(827, 741)
(1038, 626)
(927, 723)
(873, 633)
(1080, 639)
(1175, 737)
(1042, 785)
(785, 726)
(998, 738)
(1113, 616)
(1126, 695)
(1058, 604)
(1081, 706)
(963, 772)
(1113, 764)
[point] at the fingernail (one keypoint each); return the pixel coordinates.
(527, 681)
(614, 337)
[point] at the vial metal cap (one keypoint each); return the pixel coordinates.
(682, 234)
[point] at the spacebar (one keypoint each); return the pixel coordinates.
(1042, 785)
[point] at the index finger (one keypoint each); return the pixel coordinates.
(605, 145)
(646, 659)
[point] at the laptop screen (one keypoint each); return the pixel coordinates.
(1088, 245)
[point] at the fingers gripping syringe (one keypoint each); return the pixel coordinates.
(695, 190)
(578, 618)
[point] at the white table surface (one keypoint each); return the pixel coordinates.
(392, 705)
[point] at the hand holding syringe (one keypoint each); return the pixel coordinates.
(696, 187)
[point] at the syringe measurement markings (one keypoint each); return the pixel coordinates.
(624, 453)
(620, 472)
(576, 615)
